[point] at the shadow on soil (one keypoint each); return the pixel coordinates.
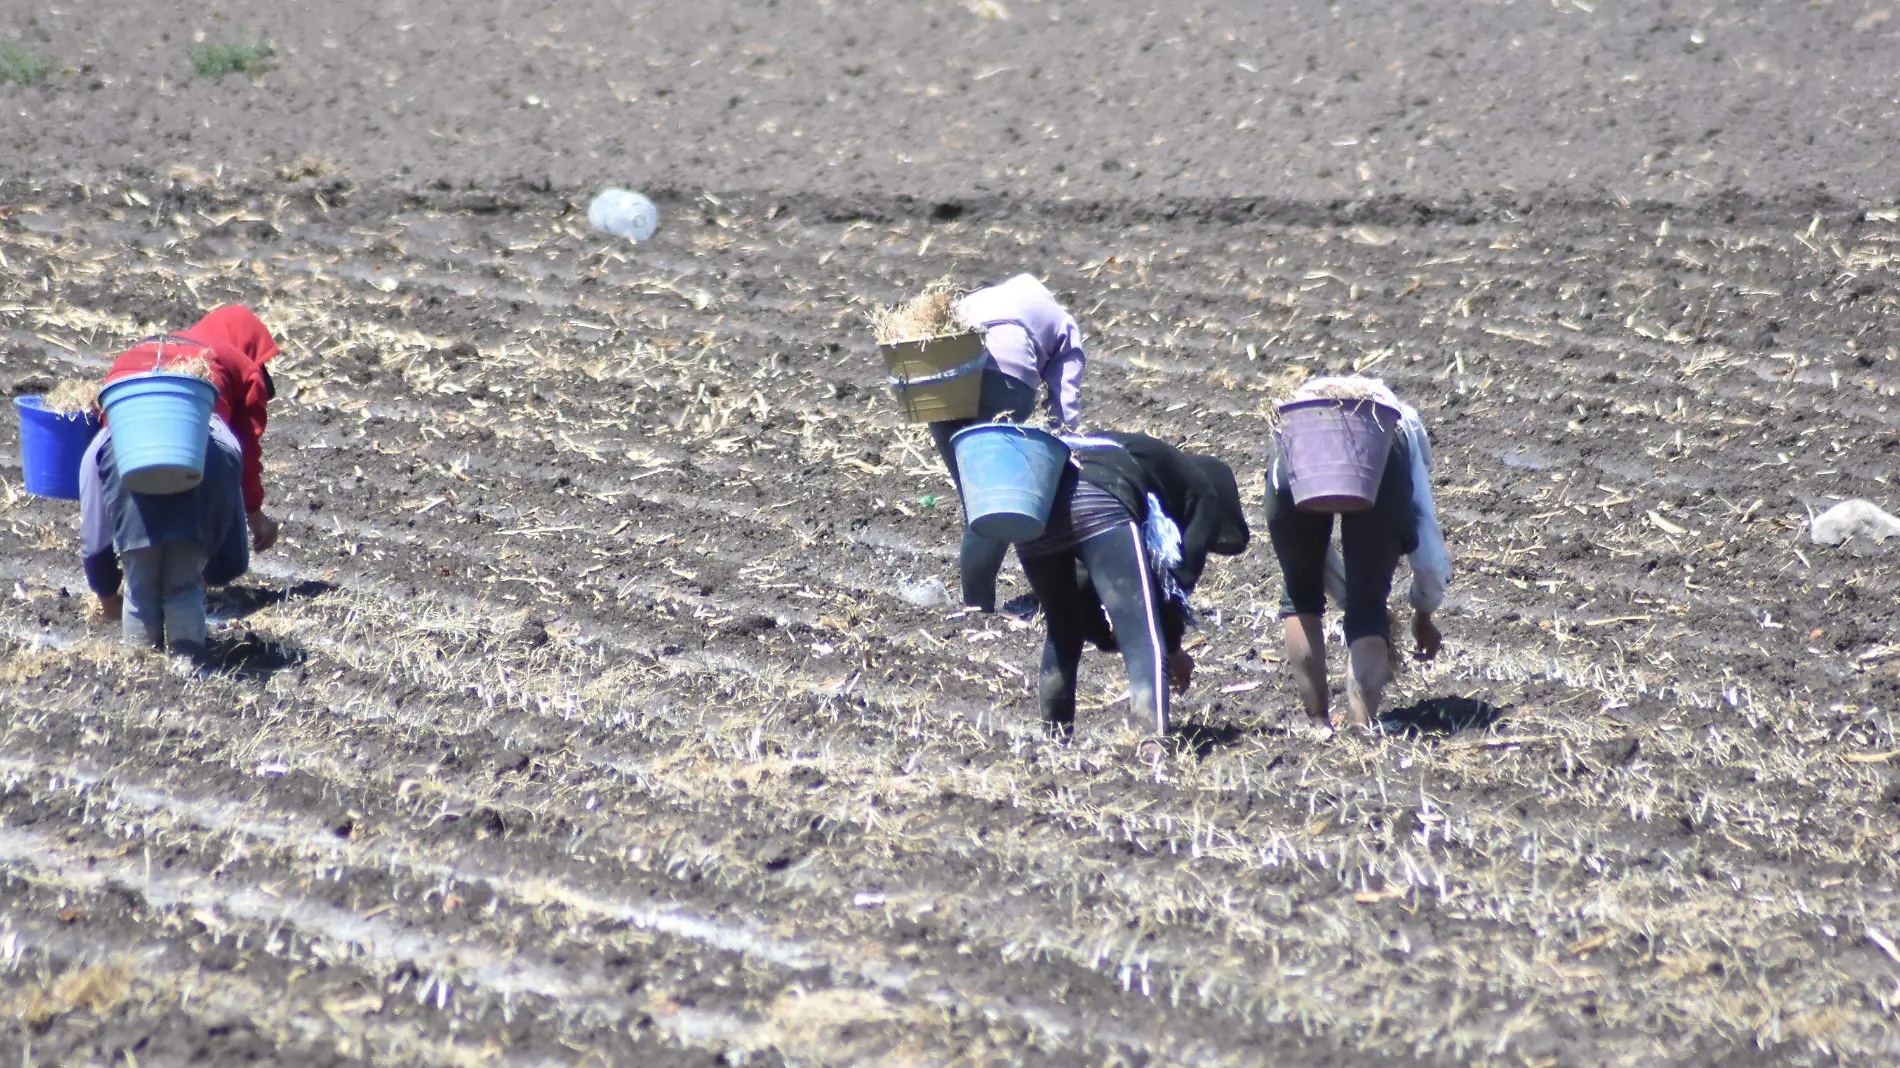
(237, 602)
(1202, 739)
(250, 657)
(1441, 715)
(1433, 715)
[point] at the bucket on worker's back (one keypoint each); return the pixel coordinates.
(161, 424)
(1009, 476)
(1334, 451)
(51, 446)
(937, 378)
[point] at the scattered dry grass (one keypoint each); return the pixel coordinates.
(1662, 855)
(89, 988)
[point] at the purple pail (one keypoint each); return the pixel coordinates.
(1334, 450)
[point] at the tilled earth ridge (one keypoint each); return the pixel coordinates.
(1498, 102)
(588, 707)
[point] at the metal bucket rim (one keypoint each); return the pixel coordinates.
(1020, 428)
(1344, 403)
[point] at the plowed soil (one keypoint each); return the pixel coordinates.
(602, 703)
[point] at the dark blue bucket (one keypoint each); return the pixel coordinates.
(161, 424)
(51, 446)
(1009, 474)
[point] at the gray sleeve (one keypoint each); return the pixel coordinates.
(1431, 563)
(95, 526)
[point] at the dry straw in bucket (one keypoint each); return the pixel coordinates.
(934, 358)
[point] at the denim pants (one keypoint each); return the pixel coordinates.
(165, 597)
(979, 558)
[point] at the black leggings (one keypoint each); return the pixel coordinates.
(980, 558)
(1108, 571)
(1370, 542)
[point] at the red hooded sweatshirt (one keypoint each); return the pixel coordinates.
(237, 345)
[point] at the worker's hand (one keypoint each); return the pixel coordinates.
(1426, 634)
(263, 530)
(111, 607)
(1181, 670)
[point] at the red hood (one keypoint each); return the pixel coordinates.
(236, 327)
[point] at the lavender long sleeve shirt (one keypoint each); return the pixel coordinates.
(1032, 339)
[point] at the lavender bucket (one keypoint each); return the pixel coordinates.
(1334, 450)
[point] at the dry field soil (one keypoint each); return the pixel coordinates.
(602, 705)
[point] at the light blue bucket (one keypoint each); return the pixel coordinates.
(1010, 474)
(161, 424)
(51, 446)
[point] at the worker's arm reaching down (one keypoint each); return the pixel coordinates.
(1031, 338)
(1431, 563)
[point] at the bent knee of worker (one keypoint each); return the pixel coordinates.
(1053, 682)
(1148, 705)
(1303, 581)
(1368, 621)
(1301, 601)
(1055, 688)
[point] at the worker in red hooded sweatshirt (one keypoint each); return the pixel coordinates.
(238, 346)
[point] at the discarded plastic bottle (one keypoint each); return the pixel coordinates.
(624, 213)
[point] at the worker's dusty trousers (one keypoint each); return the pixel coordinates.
(165, 596)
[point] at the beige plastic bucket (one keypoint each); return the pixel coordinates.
(937, 378)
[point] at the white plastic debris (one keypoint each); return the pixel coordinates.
(925, 593)
(624, 213)
(1855, 518)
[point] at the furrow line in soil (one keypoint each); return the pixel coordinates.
(201, 1000)
(313, 842)
(1036, 852)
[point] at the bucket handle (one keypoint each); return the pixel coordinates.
(157, 341)
(900, 382)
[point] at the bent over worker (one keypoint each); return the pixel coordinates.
(1403, 521)
(1028, 338)
(148, 557)
(237, 346)
(1133, 523)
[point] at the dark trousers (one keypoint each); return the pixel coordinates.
(1107, 572)
(980, 558)
(1370, 544)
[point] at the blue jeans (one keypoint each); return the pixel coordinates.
(165, 597)
(980, 558)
